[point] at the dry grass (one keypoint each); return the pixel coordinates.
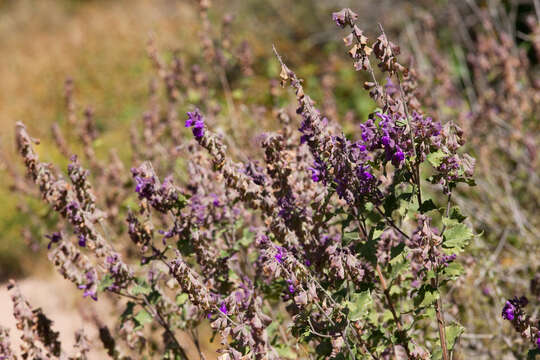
(94, 42)
(101, 44)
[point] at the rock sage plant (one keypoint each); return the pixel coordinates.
(327, 246)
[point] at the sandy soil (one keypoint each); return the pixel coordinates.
(60, 302)
(64, 305)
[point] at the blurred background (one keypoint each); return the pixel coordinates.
(479, 60)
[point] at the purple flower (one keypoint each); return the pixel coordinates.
(90, 286)
(88, 292)
(386, 140)
(361, 147)
(318, 171)
(365, 178)
(512, 308)
(291, 287)
(304, 139)
(223, 308)
(508, 311)
(193, 117)
(365, 175)
(315, 174)
(447, 259)
(339, 18)
(538, 340)
(72, 212)
(112, 260)
(195, 120)
(280, 255)
(398, 157)
(390, 86)
(145, 185)
(287, 208)
(82, 240)
(368, 132)
(255, 172)
(198, 129)
(167, 234)
(55, 237)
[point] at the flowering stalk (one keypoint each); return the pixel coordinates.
(524, 324)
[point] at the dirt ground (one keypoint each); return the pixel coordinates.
(64, 304)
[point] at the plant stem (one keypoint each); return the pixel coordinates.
(167, 328)
(397, 319)
(438, 304)
(154, 312)
(442, 329)
(392, 223)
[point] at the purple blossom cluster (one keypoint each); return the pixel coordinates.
(90, 285)
(163, 197)
(195, 120)
(388, 136)
(513, 311)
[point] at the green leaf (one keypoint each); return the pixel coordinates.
(427, 205)
(285, 352)
(456, 238)
(397, 250)
(154, 297)
(128, 312)
(455, 213)
(193, 96)
(390, 204)
(387, 316)
(395, 290)
(426, 296)
(377, 233)
(142, 317)
(437, 353)
(141, 288)
(453, 331)
(181, 201)
(359, 305)
(224, 254)
(105, 283)
(532, 354)
(401, 122)
(436, 158)
(428, 313)
(247, 238)
(350, 236)
(237, 94)
(368, 250)
(324, 348)
(185, 246)
(233, 275)
(181, 299)
(453, 270)
(398, 262)
(448, 222)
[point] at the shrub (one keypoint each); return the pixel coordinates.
(348, 242)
